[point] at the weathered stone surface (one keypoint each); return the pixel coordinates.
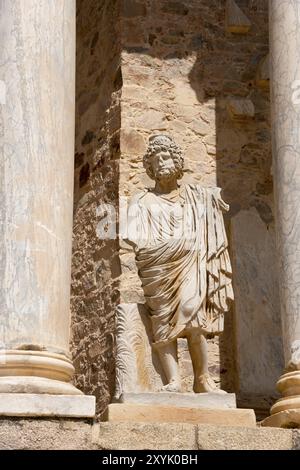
(296, 439)
(132, 142)
(175, 7)
(70, 434)
(190, 400)
(139, 436)
(28, 404)
(35, 385)
(45, 434)
(95, 267)
(127, 413)
(151, 120)
(137, 364)
(213, 438)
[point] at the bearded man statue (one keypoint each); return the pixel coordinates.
(181, 251)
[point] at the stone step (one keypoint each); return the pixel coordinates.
(190, 400)
(136, 413)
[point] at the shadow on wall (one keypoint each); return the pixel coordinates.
(186, 47)
(95, 268)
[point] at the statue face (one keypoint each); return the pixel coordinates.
(163, 165)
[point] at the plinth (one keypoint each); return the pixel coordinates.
(189, 408)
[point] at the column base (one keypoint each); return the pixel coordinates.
(19, 362)
(288, 419)
(137, 413)
(37, 385)
(43, 405)
(285, 413)
(27, 371)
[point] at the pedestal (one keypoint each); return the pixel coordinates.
(185, 408)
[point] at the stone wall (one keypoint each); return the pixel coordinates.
(185, 74)
(95, 259)
(70, 434)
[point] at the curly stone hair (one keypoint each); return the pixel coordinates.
(159, 143)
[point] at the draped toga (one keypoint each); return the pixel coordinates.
(181, 252)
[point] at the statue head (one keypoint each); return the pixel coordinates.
(163, 159)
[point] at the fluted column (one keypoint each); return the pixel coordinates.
(285, 104)
(37, 76)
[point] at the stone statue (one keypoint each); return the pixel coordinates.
(180, 244)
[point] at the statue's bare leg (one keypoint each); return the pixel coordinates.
(203, 381)
(168, 358)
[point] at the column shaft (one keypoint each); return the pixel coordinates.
(37, 75)
(285, 105)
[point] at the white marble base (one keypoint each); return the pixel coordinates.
(35, 405)
(190, 400)
(36, 386)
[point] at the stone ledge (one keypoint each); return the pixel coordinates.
(143, 436)
(125, 436)
(237, 438)
(44, 405)
(45, 434)
(191, 400)
(71, 434)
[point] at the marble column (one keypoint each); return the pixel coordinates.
(285, 105)
(37, 112)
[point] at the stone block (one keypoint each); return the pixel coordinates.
(45, 434)
(74, 434)
(132, 8)
(170, 414)
(237, 438)
(132, 142)
(30, 404)
(151, 120)
(138, 436)
(190, 400)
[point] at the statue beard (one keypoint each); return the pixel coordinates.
(166, 175)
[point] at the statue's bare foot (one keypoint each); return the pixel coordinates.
(173, 386)
(205, 384)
